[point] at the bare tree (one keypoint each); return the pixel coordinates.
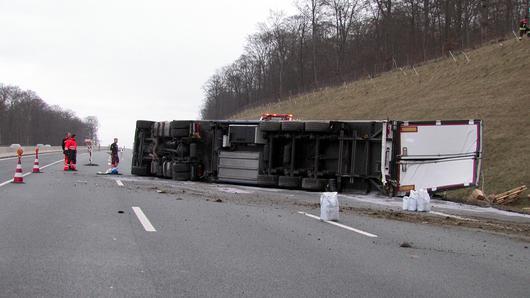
(26, 119)
(330, 41)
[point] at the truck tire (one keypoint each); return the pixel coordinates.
(140, 171)
(181, 171)
(314, 184)
(181, 167)
(289, 181)
(269, 126)
(179, 132)
(316, 126)
(181, 176)
(193, 150)
(143, 124)
(267, 180)
(292, 126)
(179, 124)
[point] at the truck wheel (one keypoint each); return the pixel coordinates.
(289, 182)
(269, 126)
(181, 171)
(316, 126)
(267, 180)
(314, 184)
(181, 176)
(181, 167)
(140, 171)
(292, 126)
(193, 150)
(179, 132)
(179, 124)
(143, 124)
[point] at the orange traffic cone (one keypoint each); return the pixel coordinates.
(18, 173)
(36, 168)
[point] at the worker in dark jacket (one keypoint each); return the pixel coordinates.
(65, 151)
(523, 28)
(115, 160)
(71, 146)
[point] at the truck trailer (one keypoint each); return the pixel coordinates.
(390, 156)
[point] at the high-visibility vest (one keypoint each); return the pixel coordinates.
(71, 144)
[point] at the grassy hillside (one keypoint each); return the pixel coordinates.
(493, 86)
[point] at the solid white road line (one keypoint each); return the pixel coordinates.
(29, 173)
(340, 225)
(453, 216)
(119, 182)
(143, 219)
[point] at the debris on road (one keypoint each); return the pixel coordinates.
(477, 194)
(120, 212)
(418, 201)
(405, 245)
(108, 173)
(509, 196)
(329, 206)
(160, 191)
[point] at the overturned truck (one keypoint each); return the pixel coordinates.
(392, 157)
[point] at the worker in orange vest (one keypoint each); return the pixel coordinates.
(71, 147)
(65, 151)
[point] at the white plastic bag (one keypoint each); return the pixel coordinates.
(413, 200)
(426, 200)
(405, 203)
(420, 202)
(329, 206)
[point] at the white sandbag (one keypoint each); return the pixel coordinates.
(426, 200)
(412, 200)
(405, 203)
(329, 206)
(420, 203)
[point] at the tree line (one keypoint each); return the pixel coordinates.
(330, 42)
(27, 120)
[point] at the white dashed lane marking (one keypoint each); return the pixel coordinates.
(143, 219)
(340, 225)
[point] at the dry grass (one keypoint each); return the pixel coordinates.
(494, 87)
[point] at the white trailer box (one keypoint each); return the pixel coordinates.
(439, 155)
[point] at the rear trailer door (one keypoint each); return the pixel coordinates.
(439, 155)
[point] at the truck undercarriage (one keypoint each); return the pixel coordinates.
(313, 155)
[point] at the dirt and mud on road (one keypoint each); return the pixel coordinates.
(309, 201)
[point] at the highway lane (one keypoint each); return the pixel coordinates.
(62, 234)
(8, 165)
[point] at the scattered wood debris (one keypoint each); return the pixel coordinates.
(477, 194)
(509, 196)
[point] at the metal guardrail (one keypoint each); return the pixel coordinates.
(6, 151)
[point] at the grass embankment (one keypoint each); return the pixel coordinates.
(494, 86)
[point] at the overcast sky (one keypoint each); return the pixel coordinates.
(123, 60)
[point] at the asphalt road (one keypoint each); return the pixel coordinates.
(65, 234)
(8, 165)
